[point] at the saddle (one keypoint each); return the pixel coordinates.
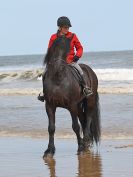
(76, 74)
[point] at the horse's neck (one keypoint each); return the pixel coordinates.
(57, 63)
(57, 70)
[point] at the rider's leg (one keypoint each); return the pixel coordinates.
(87, 91)
(41, 95)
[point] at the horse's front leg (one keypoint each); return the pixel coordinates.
(50, 109)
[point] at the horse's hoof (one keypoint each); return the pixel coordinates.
(87, 145)
(80, 150)
(49, 153)
(45, 156)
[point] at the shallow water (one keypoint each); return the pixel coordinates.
(20, 82)
(23, 158)
(26, 116)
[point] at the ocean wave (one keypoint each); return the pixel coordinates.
(9, 76)
(32, 91)
(114, 74)
(103, 74)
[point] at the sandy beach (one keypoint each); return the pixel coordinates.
(22, 157)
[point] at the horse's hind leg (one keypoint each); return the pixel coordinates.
(76, 129)
(50, 109)
(84, 122)
(88, 139)
(81, 117)
(92, 129)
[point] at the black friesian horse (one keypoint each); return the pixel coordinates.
(61, 89)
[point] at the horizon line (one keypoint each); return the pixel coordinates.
(102, 51)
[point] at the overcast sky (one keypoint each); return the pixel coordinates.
(101, 25)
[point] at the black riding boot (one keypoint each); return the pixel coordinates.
(86, 90)
(41, 97)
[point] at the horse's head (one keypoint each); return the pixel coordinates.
(58, 51)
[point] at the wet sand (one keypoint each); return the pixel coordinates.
(22, 157)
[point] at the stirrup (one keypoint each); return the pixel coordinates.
(41, 98)
(87, 92)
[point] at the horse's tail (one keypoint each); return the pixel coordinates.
(92, 120)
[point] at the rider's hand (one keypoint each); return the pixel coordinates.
(75, 58)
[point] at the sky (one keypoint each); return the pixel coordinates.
(101, 25)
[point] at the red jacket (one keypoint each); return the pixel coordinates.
(75, 44)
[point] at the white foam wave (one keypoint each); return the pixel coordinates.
(20, 74)
(33, 91)
(103, 74)
(114, 74)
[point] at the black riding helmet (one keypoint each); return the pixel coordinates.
(63, 21)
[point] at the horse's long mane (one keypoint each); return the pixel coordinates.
(59, 48)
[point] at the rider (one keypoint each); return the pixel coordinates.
(63, 24)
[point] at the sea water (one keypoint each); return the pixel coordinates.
(21, 114)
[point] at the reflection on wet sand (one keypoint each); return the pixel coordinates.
(50, 162)
(89, 165)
